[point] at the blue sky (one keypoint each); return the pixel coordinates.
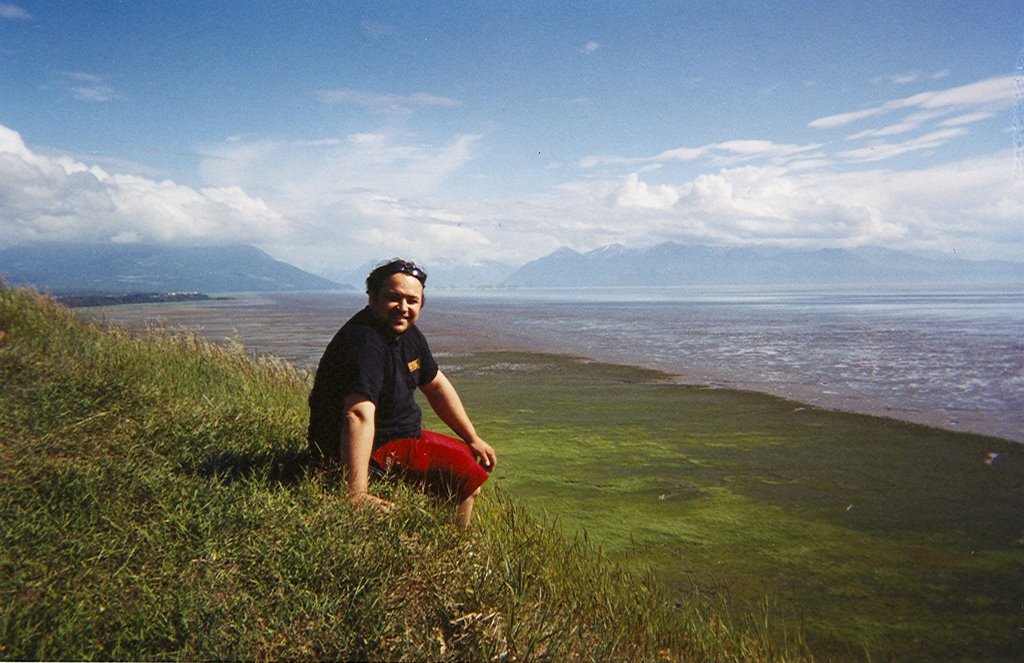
(333, 133)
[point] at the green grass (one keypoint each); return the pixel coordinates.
(155, 503)
(883, 539)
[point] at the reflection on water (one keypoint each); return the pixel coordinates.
(946, 357)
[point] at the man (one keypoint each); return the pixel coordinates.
(363, 408)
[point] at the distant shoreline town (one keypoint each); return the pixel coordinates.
(113, 299)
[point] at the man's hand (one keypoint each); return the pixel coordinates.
(372, 502)
(484, 453)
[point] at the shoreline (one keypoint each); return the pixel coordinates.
(93, 299)
(298, 332)
(848, 405)
(837, 405)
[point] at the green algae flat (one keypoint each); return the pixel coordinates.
(883, 538)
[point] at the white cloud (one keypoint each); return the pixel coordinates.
(731, 151)
(13, 12)
(57, 198)
(881, 150)
(762, 149)
(973, 205)
(998, 92)
(966, 118)
(323, 171)
(369, 193)
(632, 193)
(927, 120)
(88, 87)
(372, 196)
(590, 47)
(910, 123)
(595, 160)
(680, 154)
(331, 202)
(904, 79)
(991, 92)
(401, 104)
(844, 118)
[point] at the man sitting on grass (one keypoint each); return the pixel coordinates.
(363, 408)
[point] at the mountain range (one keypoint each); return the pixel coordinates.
(82, 268)
(670, 263)
(125, 268)
(443, 274)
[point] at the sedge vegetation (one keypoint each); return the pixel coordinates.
(155, 503)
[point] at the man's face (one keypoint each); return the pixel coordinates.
(398, 302)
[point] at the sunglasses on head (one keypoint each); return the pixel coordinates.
(405, 267)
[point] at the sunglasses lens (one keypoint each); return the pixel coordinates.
(411, 269)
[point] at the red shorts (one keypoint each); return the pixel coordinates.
(444, 464)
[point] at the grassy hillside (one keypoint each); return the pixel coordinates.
(155, 504)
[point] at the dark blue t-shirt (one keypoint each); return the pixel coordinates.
(363, 358)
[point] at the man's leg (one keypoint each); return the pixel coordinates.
(451, 459)
(443, 464)
(464, 510)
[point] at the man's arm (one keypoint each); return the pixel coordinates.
(445, 401)
(357, 445)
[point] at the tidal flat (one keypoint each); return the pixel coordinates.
(879, 538)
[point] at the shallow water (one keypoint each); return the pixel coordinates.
(947, 357)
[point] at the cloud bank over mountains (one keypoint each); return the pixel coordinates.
(870, 176)
(45, 198)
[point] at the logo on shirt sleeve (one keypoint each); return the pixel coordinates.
(414, 365)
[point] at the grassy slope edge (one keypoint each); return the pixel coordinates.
(155, 504)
